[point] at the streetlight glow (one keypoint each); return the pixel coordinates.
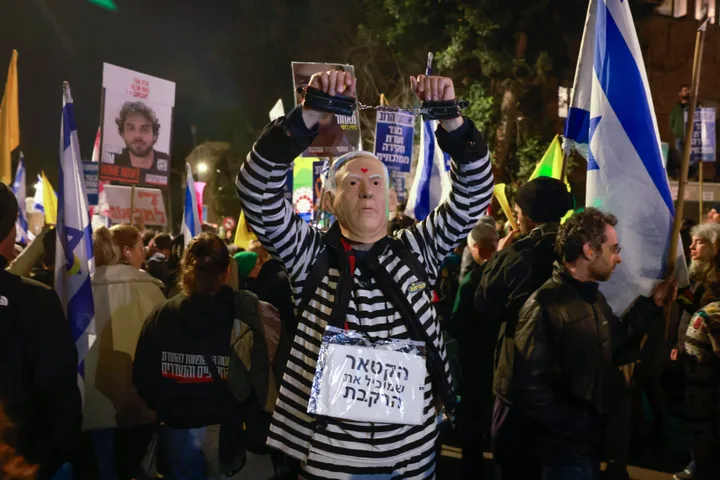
(202, 167)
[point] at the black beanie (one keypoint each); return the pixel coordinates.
(8, 210)
(544, 200)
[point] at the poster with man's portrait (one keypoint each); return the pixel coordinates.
(339, 134)
(136, 123)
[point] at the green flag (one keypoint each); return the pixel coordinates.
(551, 163)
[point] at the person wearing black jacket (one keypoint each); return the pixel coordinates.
(170, 371)
(159, 263)
(273, 286)
(508, 279)
(38, 360)
(475, 341)
(568, 343)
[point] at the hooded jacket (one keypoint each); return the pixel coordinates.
(124, 297)
(508, 280)
(170, 371)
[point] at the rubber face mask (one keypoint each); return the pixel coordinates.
(361, 201)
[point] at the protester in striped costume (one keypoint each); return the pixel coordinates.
(358, 196)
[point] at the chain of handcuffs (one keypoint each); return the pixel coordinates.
(462, 104)
(430, 110)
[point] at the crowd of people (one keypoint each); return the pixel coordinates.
(205, 353)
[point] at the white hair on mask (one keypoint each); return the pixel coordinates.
(330, 183)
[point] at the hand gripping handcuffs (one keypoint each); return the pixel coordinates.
(343, 105)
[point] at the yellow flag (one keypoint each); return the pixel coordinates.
(9, 121)
(499, 192)
(49, 201)
(243, 234)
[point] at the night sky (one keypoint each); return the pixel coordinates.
(229, 59)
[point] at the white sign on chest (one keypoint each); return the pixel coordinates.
(372, 385)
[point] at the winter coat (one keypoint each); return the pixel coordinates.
(38, 372)
(568, 343)
(508, 280)
(124, 297)
(170, 372)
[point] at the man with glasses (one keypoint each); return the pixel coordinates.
(568, 344)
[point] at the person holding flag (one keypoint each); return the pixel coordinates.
(568, 345)
(38, 360)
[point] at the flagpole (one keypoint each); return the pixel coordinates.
(563, 171)
(687, 149)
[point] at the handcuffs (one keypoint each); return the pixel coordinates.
(316, 99)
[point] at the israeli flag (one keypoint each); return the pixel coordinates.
(38, 198)
(191, 218)
(19, 189)
(74, 262)
(431, 184)
(612, 113)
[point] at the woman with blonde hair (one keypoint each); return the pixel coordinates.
(119, 422)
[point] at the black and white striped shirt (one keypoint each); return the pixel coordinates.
(343, 448)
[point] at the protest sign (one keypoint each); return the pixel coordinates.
(703, 138)
(394, 140)
(339, 134)
(114, 203)
(90, 171)
(371, 385)
(136, 122)
(303, 191)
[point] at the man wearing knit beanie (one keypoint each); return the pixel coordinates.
(38, 359)
(523, 265)
(543, 200)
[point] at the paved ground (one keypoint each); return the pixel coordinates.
(449, 467)
(652, 458)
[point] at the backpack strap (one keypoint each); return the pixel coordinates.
(393, 291)
(319, 269)
(408, 258)
(328, 257)
(260, 374)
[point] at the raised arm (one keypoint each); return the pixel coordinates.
(472, 181)
(260, 185)
(261, 181)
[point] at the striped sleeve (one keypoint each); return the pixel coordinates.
(286, 236)
(451, 222)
